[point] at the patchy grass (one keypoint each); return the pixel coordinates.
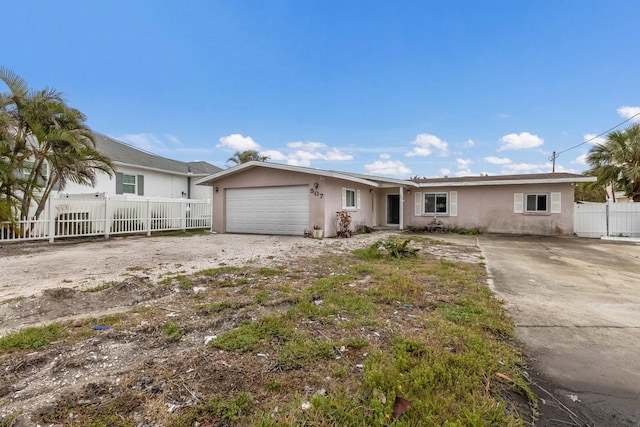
(32, 338)
(172, 330)
(328, 341)
(250, 336)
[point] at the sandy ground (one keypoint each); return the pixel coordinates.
(29, 269)
(43, 283)
(33, 268)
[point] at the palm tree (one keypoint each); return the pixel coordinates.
(245, 156)
(617, 161)
(48, 144)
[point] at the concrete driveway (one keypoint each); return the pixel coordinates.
(576, 305)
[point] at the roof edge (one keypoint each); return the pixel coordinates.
(522, 181)
(301, 169)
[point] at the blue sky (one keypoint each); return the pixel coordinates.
(407, 88)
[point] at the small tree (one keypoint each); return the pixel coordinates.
(617, 161)
(44, 144)
(240, 157)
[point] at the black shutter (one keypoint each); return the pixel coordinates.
(140, 185)
(119, 183)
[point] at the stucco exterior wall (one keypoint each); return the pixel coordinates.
(324, 201)
(361, 215)
(491, 209)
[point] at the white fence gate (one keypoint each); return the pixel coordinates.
(71, 216)
(607, 219)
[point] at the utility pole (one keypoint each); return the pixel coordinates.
(553, 160)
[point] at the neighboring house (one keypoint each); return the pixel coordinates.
(270, 198)
(144, 174)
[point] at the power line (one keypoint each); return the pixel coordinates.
(599, 135)
(555, 154)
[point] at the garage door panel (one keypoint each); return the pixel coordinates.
(275, 210)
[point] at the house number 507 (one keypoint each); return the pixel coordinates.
(316, 193)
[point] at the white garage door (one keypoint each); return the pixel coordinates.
(274, 210)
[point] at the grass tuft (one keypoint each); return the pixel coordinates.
(32, 338)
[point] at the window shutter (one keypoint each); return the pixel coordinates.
(140, 185)
(418, 204)
(518, 203)
(344, 198)
(453, 203)
(556, 205)
(357, 199)
(119, 183)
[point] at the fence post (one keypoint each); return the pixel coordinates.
(147, 220)
(52, 220)
(107, 221)
(607, 218)
(183, 216)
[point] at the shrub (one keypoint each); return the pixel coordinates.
(343, 224)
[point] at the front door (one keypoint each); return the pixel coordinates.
(393, 209)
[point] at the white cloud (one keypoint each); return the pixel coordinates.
(445, 172)
(307, 145)
(628, 112)
(303, 153)
(385, 156)
(173, 139)
(299, 162)
(387, 167)
(520, 141)
(517, 168)
(335, 154)
(469, 143)
(497, 160)
(274, 155)
(594, 139)
(463, 167)
(426, 143)
(503, 115)
(581, 160)
(463, 163)
(238, 142)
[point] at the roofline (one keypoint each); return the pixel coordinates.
(165, 171)
(380, 182)
(291, 168)
(509, 182)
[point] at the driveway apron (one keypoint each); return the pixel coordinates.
(576, 306)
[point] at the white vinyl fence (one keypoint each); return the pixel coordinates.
(71, 216)
(607, 219)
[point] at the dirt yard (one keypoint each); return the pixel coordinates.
(79, 282)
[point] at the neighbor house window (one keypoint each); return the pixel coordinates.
(435, 203)
(536, 203)
(350, 198)
(26, 169)
(128, 184)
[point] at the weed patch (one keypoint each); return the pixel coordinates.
(32, 338)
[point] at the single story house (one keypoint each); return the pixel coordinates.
(270, 198)
(140, 173)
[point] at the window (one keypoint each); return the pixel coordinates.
(435, 203)
(128, 184)
(536, 203)
(350, 198)
(25, 172)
